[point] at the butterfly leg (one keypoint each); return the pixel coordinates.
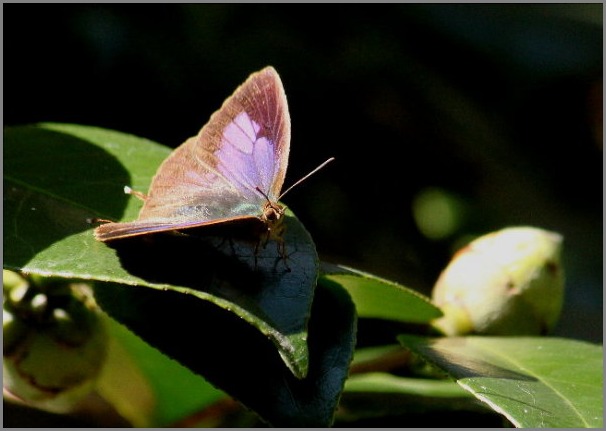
(259, 241)
(278, 234)
(129, 191)
(267, 237)
(281, 248)
(281, 245)
(93, 220)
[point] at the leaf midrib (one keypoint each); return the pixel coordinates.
(531, 373)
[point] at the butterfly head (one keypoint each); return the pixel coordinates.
(272, 212)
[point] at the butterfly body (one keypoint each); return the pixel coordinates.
(231, 173)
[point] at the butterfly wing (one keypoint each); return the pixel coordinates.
(212, 178)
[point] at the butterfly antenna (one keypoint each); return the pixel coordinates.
(305, 177)
(263, 193)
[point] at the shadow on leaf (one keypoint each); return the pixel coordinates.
(53, 182)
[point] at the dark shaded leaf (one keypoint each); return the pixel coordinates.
(201, 299)
(57, 176)
(235, 357)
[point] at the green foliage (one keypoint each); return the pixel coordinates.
(195, 321)
(136, 383)
(536, 382)
(378, 298)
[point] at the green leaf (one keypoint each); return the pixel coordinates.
(372, 392)
(380, 382)
(380, 394)
(135, 381)
(57, 176)
(234, 356)
(533, 381)
(376, 297)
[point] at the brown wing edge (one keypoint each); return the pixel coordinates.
(267, 76)
(275, 113)
(113, 231)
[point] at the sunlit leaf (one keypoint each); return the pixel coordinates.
(535, 382)
(147, 387)
(376, 297)
(58, 176)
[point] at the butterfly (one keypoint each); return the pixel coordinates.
(231, 173)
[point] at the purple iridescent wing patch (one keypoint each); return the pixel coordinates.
(247, 159)
(213, 177)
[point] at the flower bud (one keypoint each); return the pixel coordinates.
(508, 282)
(54, 341)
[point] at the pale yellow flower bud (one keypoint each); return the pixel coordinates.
(508, 282)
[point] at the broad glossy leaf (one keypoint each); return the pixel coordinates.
(232, 355)
(535, 382)
(376, 297)
(372, 392)
(135, 381)
(56, 176)
(46, 232)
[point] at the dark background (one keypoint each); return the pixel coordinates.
(497, 106)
